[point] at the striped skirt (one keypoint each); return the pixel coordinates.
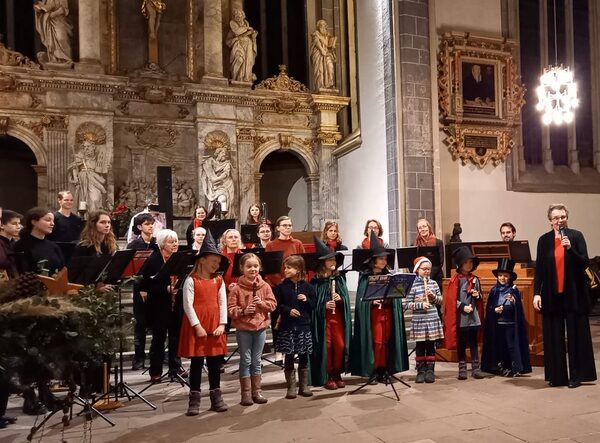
(426, 325)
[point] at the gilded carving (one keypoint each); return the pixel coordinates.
(183, 112)
(36, 102)
(123, 107)
(7, 82)
(3, 125)
(260, 140)
(480, 96)
(55, 122)
(216, 140)
(282, 82)
(245, 134)
(8, 57)
(330, 138)
(34, 126)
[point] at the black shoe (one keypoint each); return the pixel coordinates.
(9, 420)
(137, 365)
(574, 384)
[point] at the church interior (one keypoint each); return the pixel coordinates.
(320, 110)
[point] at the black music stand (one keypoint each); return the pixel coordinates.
(407, 256)
(218, 227)
(249, 234)
(387, 287)
(114, 274)
(360, 259)
(87, 270)
(271, 264)
(179, 265)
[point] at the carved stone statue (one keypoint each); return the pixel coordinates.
(89, 168)
(55, 31)
(217, 181)
(242, 41)
(456, 231)
(152, 10)
(322, 56)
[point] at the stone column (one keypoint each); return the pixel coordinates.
(213, 43)
(58, 161)
(247, 177)
(236, 4)
(546, 148)
(312, 185)
(257, 178)
(42, 186)
(328, 136)
(572, 128)
(89, 37)
(594, 14)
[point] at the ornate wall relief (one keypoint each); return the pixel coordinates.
(480, 96)
(216, 172)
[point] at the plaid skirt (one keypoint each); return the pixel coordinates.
(294, 342)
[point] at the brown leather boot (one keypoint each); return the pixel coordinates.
(194, 403)
(245, 386)
(290, 379)
(257, 396)
(216, 401)
(303, 389)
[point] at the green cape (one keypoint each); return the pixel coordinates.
(362, 360)
(318, 359)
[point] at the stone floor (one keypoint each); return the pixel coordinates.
(491, 410)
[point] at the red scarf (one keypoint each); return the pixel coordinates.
(366, 244)
(197, 223)
(429, 241)
(332, 244)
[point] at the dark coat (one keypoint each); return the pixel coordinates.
(575, 296)
(160, 302)
(362, 358)
(8, 260)
(31, 250)
(491, 355)
(286, 294)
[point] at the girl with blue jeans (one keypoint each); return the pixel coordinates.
(251, 300)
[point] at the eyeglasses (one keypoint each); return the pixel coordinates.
(559, 217)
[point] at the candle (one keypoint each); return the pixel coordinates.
(223, 206)
(82, 206)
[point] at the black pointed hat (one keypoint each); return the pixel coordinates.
(323, 253)
(505, 265)
(209, 247)
(462, 254)
(377, 250)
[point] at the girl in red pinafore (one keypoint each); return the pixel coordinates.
(203, 328)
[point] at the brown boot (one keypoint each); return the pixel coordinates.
(194, 403)
(246, 392)
(216, 401)
(303, 389)
(257, 396)
(290, 379)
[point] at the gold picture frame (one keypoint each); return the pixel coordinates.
(480, 96)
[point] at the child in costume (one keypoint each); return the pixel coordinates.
(331, 321)
(379, 342)
(463, 311)
(505, 344)
(295, 298)
(202, 333)
(423, 299)
(250, 303)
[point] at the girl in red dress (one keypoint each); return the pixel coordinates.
(203, 328)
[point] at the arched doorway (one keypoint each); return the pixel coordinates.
(18, 180)
(284, 189)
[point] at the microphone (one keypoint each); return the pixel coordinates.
(561, 231)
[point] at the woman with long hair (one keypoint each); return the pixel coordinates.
(256, 215)
(331, 236)
(37, 252)
(372, 225)
(97, 238)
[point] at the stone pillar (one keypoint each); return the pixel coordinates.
(546, 148)
(257, 178)
(89, 37)
(236, 4)
(42, 186)
(247, 177)
(572, 128)
(328, 136)
(312, 185)
(58, 161)
(594, 13)
(416, 120)
(213, 43)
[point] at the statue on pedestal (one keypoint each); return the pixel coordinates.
(55, 31)
(242, 41)
(89, 168)
(322, 56)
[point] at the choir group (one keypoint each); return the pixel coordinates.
(310, 319)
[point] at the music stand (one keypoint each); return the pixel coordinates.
(66, 248)
(361, 256)
(113, 275)
(387, 287)
(87, 270)
(407, 256)
(249, 234)
(218, 227)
